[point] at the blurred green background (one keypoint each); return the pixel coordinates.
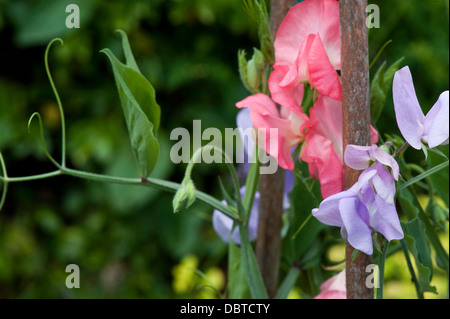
(126, 240)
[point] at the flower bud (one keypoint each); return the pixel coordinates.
(185, 196)
(385, 148)
(255, 67)
(440, 216)
(251, 71)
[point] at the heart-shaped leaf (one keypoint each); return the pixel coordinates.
(142, 113)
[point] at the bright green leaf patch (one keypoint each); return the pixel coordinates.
(142, 113)
(380, 86)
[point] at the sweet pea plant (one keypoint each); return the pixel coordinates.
(295, 111)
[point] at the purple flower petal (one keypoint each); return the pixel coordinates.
(288, 185)
(328, 211)
(357, 157)
(244, 123)
(385, 220)
(384, 184)
(408, 113)
(360, 157)
(223, 224)
(386, 159)
(364, 178)
(436, 123)
(354, 215)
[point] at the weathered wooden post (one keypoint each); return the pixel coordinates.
(271, 189)
(356, 118)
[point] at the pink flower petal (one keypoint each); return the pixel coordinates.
(320, 152)
(373, 135)
(308, 17)
(332, 294)
(322, 74)
(289, 96)
(277, 135)
(335, 283)
(300, 51)
(326, 120)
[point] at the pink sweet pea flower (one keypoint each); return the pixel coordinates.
(307, 50)
(322, 134)
(323, 151)
(279, 131)
(415, 127)
(333, 288)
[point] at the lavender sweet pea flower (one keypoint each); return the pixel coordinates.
(361, 157)
(415, 127)
(368, 206)
(244, 123)
(223, 224)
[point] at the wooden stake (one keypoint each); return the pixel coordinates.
(356, 118)
(271, 190)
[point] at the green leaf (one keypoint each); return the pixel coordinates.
(412, 211)
(303, 228)
(440, 181)
(288, 283)
(379, 53)
(129, 57)
(237, 284)
(379, 87)
(257, 10)
(252, 272)
(251, 184)
(415, 237)
(242, 62)
(142, 113)
(427, 173)
(355, 254)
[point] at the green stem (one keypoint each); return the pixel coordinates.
(58, 100)
(302, 226)
(381, 264)
(402, 149)
(149, 182)
(411, 269)
(5, 183)
(41, 133)
(251, 183)
(31, 177)
(423, 175)
(379, 53)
